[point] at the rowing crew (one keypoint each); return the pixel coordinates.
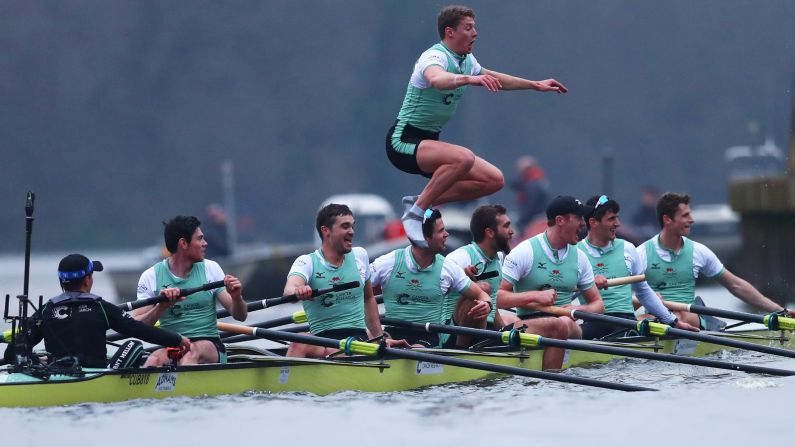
(420, 285)
(481, 285)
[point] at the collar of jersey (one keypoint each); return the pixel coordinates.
(557, 259)
(415, 267)
(601, 250)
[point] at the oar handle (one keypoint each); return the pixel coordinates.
(486, 275)
(772, 320)
(270, 302)
(625, 280)
(161, 298)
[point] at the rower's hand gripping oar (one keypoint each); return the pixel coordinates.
(516, 339)
(161, 298)
(270, 302)
(650, 328)
(774, 321)
(351, 346)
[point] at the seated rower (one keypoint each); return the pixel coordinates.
(545, 270)
(337, 315)
(612, 257)
(73, 324)
(195, 315)
(491, 232)
(672, 262)
(415, 280)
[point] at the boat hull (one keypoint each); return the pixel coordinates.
(317, 376)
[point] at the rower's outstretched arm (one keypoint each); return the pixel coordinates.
(745, 291)
(507, 298)
(509, 82)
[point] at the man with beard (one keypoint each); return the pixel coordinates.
(673, 262)
(613, 257)
(193, 316)
(491, 230)
(440, 76)
(415, 281)
(342, 314)
(546, 269)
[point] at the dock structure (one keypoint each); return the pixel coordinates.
(767, 207)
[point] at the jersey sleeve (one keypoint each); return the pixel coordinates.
(381, 269)
(213, 272)
(585, 278)
(147, 284)
(453, 277)
(518, 263)
(362, 263)
(640, 260)
(428, 58)
(476, 68)
(706, 261)
(460, 257)
(302, 267)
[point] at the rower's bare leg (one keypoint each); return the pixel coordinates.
(688, 317)
(201, 351)
(157, 358)
(508, 317)
(552, 327)
(457, 174)
(462, 319)
(574, 329)
(303, 350)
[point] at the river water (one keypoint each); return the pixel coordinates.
(694, 404)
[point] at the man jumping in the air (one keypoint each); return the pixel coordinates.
(440, 77)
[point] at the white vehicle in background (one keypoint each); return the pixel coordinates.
(717, 227)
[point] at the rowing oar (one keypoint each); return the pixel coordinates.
(270, 302)
(161, 298)
(350, 346)
(650, 328)
(515, 338)
(612, 282)
(773, 321)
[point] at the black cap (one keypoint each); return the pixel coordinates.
(74, 267)
(561, 205)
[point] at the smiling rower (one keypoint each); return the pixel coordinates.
(673, 262)
(343, 314)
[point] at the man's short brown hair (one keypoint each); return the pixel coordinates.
(451, 16)
(668, 204)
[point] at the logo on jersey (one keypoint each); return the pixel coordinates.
(448, 99)
(403, 298)
(414, 284)
(320, 275)
(400, 275)
(61, 312)
(600, 269)
(542, 265)
(325, 300)
(555, 275)
(335, 279)
(655, 266)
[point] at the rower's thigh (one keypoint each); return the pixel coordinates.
(547, 327)
(157, 358)
(574, 329)
(202, 351)
(433, 154)
(485, 172)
